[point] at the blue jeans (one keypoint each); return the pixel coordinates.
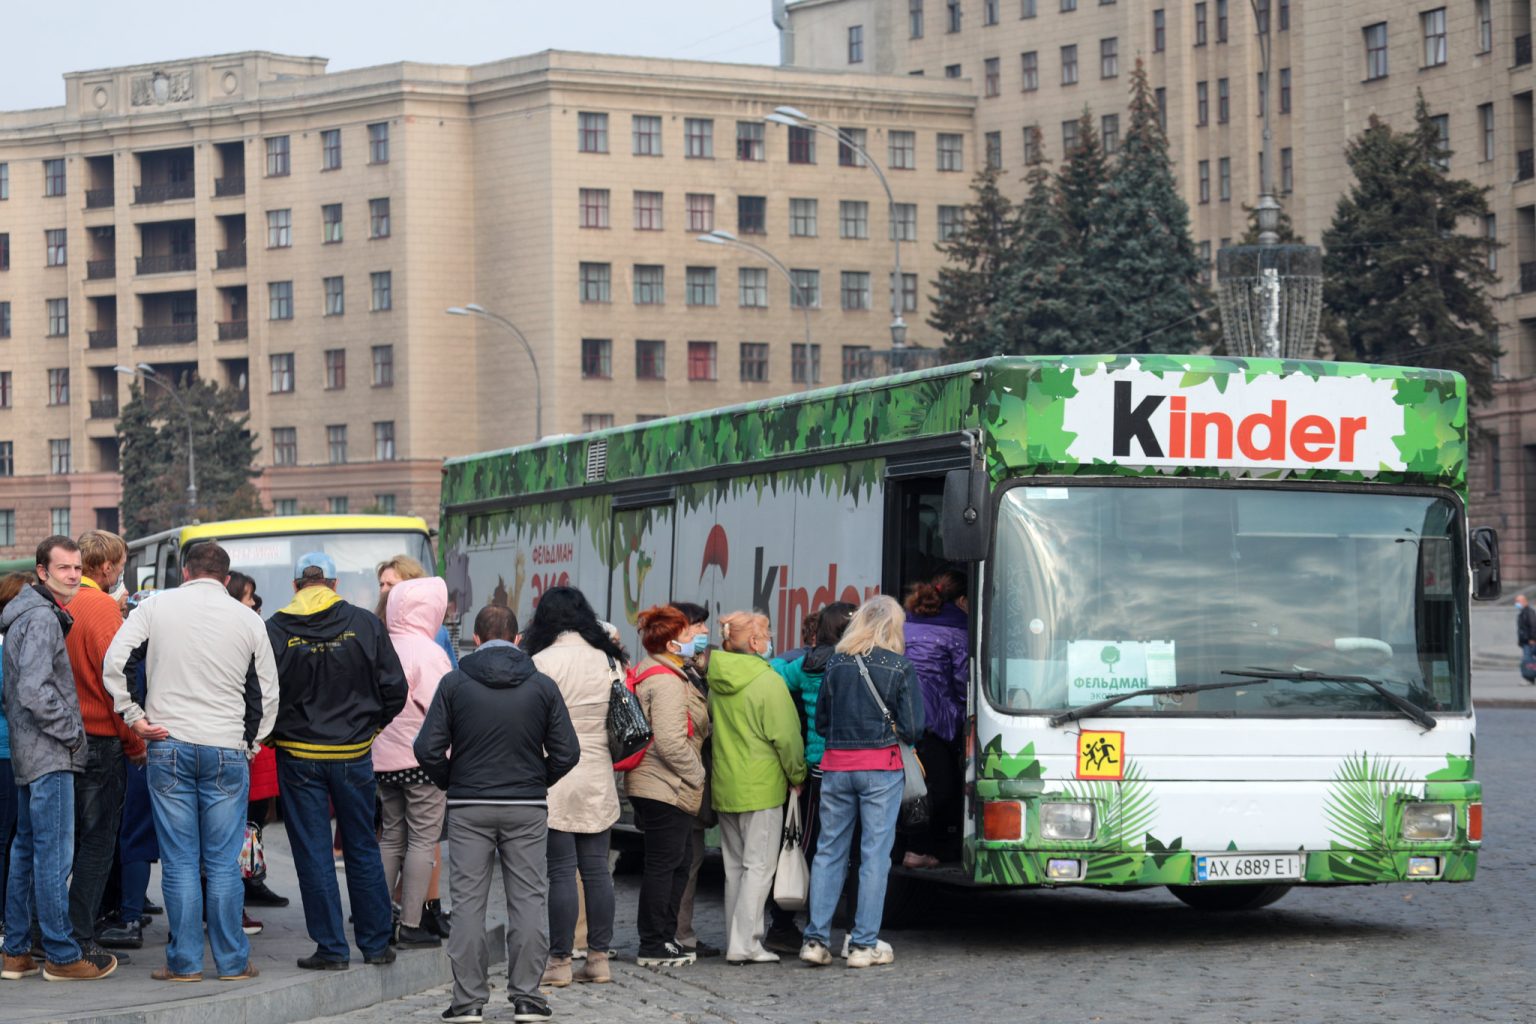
(7, 824)
(41, 857)
(874, 798)
(197, 795)
(305, 788)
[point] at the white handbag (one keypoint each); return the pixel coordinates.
(792, 879)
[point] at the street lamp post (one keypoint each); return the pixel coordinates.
(150, 375)
(790, 117)
(475, 309)
(723, 237)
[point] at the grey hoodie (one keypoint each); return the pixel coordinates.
(41, 706)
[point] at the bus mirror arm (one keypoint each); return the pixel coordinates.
(1486, 585)
(965, 523)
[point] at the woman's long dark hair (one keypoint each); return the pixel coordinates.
(567, 610)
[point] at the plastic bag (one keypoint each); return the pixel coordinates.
(253, 856)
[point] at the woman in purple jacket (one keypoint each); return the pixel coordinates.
(938, 644)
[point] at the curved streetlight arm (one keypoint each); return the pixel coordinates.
(725, 238)
(475, 309)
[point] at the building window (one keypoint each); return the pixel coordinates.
(749, 141)
(1485, 118)
(701, 211)
(285, 446)
(337, 505)
(1069, 65)
(1202, 104)
(382, 282)
(5, 180)
(752, 215)
(1286, 171)
(281, 365)
(1109, 133)
(285, 507)
(1442, 126)
(1159, 31)
(951, 222)
(378, 143)
(594, 207)
(806, 293)
(904, 219)
(1484, 35)
(915, 19)
(1069, 137)
(992, 76)
(378, 219)
(855, 289)
(58, 317)
(5, 250)
(989, 12)
(951, 152)
(330, 149)
(1221, 21)
(335, 296)
(852, 219)
(1223, 101)
(805, 363)
(335, 369)
(596, 281)
(1109, 57)
(1433, 25)
(1030, 67)
(1224, 179)
(56, 242)
(1285, 90)
(1490, 232)
(802, 145)
(58, 519)
(648, 211)
(5, 389)
(1068, 5)
(699, 138)
(58, 387)
(1199, 24)
(952, 15)
(754, 362)
(1032, 154)
(383, 366)
(1205, 181)
(53, 177)
(58, 455)
(1375, 51)
(336, 443)
(650, 284)
(753, 286)
(5, 319)
(591, 421)
(591, 132)
(855, 44)
(701, 360)
(952, 71)
(7, 458)
(385, 503)
(903, 151)
(277, 157)
(1285, 15)
(596, 359)
(802, 218)
(279, 229)
(856, 363)
(1204, 250)
(700, 286)
(7, 527)
(1028, 8)
(851, 144)
(647, 134)
(908, 292)
(650, 360)
(330, 223)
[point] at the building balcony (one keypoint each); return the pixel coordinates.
(104, 338)
(99, 198)
(143, 194)
(234, 330)
(1525, 164)
(230, 259)
(229, 186)
(173, 263)
(1522, 50)
(104, 408)
(100, 270)
(169, 334)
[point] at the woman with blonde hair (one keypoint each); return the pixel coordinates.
(758, 757)
(870, 700)
(397, 570)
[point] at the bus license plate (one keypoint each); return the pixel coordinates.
(1248, 867)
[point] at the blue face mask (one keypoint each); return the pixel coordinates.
(693, 646)
(768, 651)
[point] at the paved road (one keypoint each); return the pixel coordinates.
(1398, 953)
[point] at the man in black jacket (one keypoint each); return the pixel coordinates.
(512, 739)
(339, 683)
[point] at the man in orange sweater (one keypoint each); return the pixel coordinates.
(99, 789)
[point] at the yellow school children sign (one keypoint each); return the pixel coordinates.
(1100, 755)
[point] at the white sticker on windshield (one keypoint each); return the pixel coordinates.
(1046, 493)
(1100, 669)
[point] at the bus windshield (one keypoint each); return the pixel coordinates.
(1100, 590)
(269, 560)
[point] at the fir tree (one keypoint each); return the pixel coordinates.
(974, 303)
(153, 458)
(1401, 284)
(1080, 183)
(1144, 271)
(1048, 271)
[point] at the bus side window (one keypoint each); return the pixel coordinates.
(171, 574)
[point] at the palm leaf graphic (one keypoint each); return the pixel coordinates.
(1356, 806)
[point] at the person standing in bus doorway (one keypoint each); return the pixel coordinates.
(937, 636)
(341, 683)
(758, 758)
(862, 775)
(100, 788)
(213, 692)
(693, 669)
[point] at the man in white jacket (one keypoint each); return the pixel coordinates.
(212, 693)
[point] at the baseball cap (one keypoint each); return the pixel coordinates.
(316, 560)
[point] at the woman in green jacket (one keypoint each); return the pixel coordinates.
(758, 757)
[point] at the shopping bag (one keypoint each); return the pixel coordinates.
(792, 879)
(1528, 663)
(253, 857)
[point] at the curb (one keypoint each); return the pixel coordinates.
(1503, 702)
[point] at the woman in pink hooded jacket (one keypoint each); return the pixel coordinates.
(413, 806)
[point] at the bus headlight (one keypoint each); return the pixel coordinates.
(1068, 821)
(1428, 822)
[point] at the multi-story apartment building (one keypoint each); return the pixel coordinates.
(298, 236)
(1040, 63)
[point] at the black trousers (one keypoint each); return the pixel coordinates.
(668, 856)
(941, 770)
(98, 813)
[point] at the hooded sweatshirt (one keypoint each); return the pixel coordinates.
(508, 729)
(803, 677)
(756, 742)
(42, 708)
(340, 681)
(415, 612)
(936, 646)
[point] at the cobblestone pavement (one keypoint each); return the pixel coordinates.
(1391, 953)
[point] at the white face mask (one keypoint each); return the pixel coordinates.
(768, 649)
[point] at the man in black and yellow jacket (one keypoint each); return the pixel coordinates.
(340, 683)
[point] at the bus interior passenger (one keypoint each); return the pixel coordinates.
(938, 644)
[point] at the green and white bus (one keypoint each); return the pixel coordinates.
(1219, 606)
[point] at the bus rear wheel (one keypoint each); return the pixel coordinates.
(1228, 897)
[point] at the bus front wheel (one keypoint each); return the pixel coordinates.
(1228, 897)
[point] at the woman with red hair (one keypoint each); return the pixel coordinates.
(667, 787)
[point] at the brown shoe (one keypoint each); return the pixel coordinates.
(248, 972)
(557, 972)
(17, 967)
(90, 967)
(595, 969)
(166, 974)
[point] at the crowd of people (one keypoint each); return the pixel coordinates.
(166, 733)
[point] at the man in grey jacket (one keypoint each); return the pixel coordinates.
(47, 750)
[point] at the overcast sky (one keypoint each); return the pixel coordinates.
(44, 41)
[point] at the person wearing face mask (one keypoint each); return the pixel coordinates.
(695, 656)
(666, 788)
(758, 757)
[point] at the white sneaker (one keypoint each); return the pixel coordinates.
(879, 944)
(760, 957)
(815, 953)
(871, 956)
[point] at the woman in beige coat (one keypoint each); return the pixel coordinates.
(568, 644)
(667, 787)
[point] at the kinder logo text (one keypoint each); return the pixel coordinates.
(1273, 422)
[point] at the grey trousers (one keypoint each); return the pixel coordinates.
(413, 823)
(479, 835)
(749, 844)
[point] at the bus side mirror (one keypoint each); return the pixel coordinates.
(1486, 585)
(966, 523)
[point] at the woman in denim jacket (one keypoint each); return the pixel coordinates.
(861, 775)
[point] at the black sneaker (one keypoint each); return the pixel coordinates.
(472, 1014)
(702, 950)
(668, 954)
(122, 936)
(783, 940)
(258, 895)
(380, 959)
(153, 908)
(525, 1009)
(92, 949)
(416, 938)
(322, 963)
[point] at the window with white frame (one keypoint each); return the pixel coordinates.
(1433, 25)
(281, 366)
(597, 358)
(7, 458)
(58, 521)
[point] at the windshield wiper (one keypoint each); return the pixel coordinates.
(1092, 709)
(1403, 704)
